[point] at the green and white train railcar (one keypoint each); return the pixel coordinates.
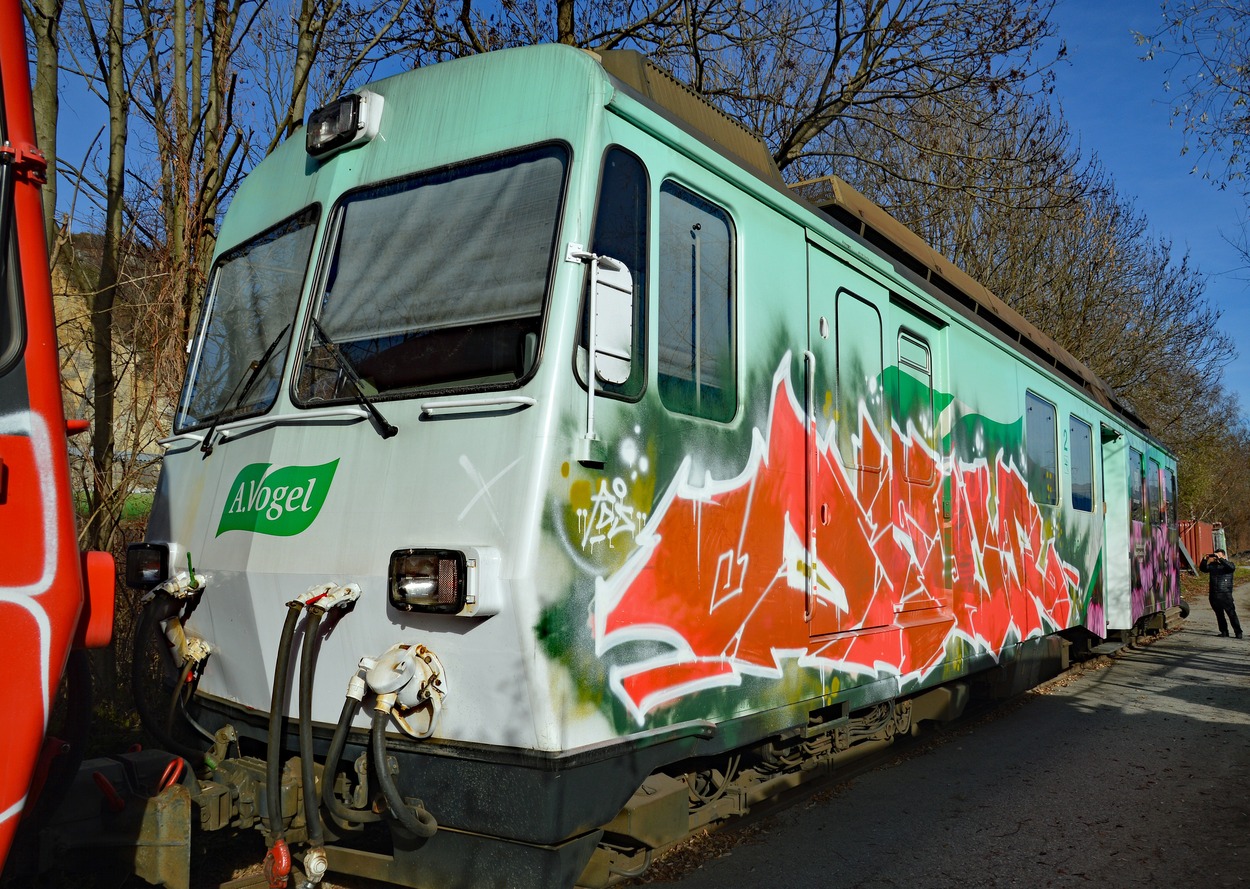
(819, 482)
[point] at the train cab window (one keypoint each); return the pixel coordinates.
(438, 282)
(248, 314)
(697, 353)
(620, 231)
(913, 402)
(1040, 450)
(1169, 490)
(1081, 447)
(1136, 478)
(1154, 499)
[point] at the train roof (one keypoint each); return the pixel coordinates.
(865, 220)
(955, 286)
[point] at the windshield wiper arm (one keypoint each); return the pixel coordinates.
(244, 386)
(384, 429)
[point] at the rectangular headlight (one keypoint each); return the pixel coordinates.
(427, 580)
(147, 564)
(349, 119)
(333, 125)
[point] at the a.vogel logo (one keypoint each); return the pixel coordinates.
(282, 503)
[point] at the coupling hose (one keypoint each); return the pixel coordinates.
(346, 816)
(273, 754)
(149, 621)
(308, 773)
(419, 823)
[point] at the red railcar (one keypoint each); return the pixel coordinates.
(53, 598)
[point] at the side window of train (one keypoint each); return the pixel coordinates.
(697, 360)
(913, 402)
(1154, 502)
(620, 231)
(1040, 449)
(860, 366)
(1169, 481)
(1081, 445)
(1136, 475)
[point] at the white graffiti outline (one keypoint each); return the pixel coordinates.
(610, 591)
(26, 596)
(723, 592)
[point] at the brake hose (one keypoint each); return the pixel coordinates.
(308, 774)
(420, 823)
(148, 621)
(273, 755)
(346, 816)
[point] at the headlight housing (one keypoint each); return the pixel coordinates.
(428, 580)
(147, 564)
(348, 120)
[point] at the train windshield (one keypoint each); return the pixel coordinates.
(438, 282)
(248, 317)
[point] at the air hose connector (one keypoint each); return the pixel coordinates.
(408, 679)
(327, 595)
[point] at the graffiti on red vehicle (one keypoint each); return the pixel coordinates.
(720, 573)
(25, 602)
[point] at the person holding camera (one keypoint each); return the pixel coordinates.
(1220, 571)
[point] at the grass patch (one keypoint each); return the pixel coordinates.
(136, 508)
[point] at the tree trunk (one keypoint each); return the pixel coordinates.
(309, 27)
(564, 23)
(102, 499)
(44, 17)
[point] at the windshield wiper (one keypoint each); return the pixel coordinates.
(244, 386)
(384, 429)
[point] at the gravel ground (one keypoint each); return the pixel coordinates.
(1133, 774)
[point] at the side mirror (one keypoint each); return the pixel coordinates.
(611, 337)
(613, 302)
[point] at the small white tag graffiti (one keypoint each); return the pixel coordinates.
(609, 515)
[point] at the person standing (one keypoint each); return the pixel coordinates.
(1220, 572)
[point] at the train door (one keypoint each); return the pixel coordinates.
(1117, 506)
(1151, 549)
(848, 508)
(920, 450)
(1084, 518)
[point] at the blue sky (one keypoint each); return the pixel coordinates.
(1117, 107)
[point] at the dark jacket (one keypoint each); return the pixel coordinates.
(1221, 574)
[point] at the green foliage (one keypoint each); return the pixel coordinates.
(1205, 49)
(136, 507)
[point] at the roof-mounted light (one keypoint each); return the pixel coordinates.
(348, 120)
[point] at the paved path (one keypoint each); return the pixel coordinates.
(1136, 774)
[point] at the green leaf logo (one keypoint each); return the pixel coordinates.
(282, 503)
